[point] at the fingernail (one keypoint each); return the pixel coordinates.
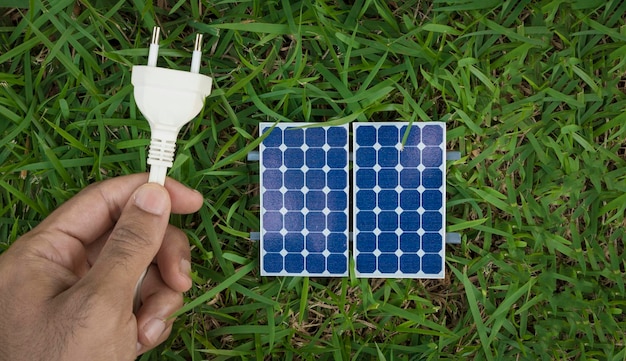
(152, 199)
(153, 330)
(185, 267)
(185, 270)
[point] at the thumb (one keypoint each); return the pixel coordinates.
(135, 239)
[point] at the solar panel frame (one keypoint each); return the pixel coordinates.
(419, 234)
(308, 234)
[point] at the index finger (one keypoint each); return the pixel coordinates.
(96, 209)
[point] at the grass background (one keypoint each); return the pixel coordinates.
(533, 94)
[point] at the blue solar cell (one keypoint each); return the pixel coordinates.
(414, 136)
(410, 157)
(432, 242)
(337, 158)
(315, 158)
(366, 242)
(387, 242)
(432, 135)
(366, 136)
(409, 242)
(336, 201)
(272, 179)
(337, 137)
(315, 179)
(293, 137)
(294, 263)
(432, 178)
(294, 179)
(273, 221)
(294, 242)
(273, 200)
(388, 157)
(388, 135)
(337, 243)
(294, 158)
(403, 197)
(387, 221)
(336, 179)
(388, 263)
(366, 221)
(336, 221)
(293, 200)
(366, 178)
(410, 221)
(409, 263)
(432, 157)
(366, 263)
(273, 263)
(388, 178)
(388, 199)
(337, 264)
(272, 158)
(410, 199)
(315, 263)
(315, 221)
(366, 199)
(273, 139)
(431, 263)
(315, 242)
(315, 137)
(315, 200)
(294, 221)
(431, 221)
(366, 157)
(431, 200)
(273, 242)
(410, 178)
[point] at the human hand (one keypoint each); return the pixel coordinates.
(67, 286)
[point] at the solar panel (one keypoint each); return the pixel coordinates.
(304, 200)
(398, 192)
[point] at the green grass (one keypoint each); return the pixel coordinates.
(533, 94)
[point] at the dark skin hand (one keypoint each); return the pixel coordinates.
(67, 286)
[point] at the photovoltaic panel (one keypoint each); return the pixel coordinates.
(304, 200)
(399, 199)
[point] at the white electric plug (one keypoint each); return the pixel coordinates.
(169, 99)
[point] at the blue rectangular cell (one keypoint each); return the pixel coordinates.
(399, 192)
(304, 200)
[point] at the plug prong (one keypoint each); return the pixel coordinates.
(155, 35)
(198, 45)
(196, 55)
(153, 53)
